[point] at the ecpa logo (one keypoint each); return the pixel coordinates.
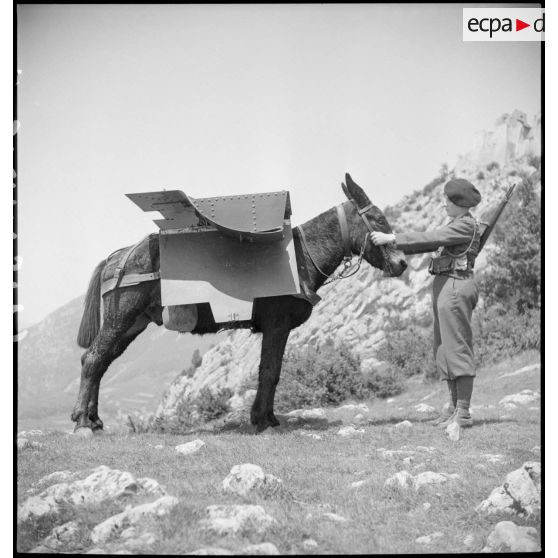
(503, 24)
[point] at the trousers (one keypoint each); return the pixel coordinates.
(453, 303)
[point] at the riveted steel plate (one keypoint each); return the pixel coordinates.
(216, 268)
(258, 217)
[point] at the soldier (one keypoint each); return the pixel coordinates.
(455, 293)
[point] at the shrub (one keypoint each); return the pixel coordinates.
(211, 405)
(320, 375)
(500, 332)
(492, 166)
(514, 274)
(190, 412)
(408, 347)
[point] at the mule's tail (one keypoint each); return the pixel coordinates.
(91, 319)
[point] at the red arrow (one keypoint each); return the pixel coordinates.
(519, 25)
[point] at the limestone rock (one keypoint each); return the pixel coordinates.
(190, 447)
(233, 519)
(66, 536)
(113, 526)
(308, 414)
(429, 477)
(520, 492)
(309, 543)
(524, 397)
(404, 424)
(429, 539)
(211, 551)
(402, 478)
(261, 549)
(24, 443)
(102, 484)
(247, 478)
(361, 407)
(509, 537)
(54, 478)
(424, 408)
(350, 430)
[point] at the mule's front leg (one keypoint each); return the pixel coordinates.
(273, 347)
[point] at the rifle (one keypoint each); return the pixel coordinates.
(495, 216)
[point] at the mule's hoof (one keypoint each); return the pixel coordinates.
(83, 432)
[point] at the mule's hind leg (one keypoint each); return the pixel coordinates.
(119, 347)
(122, 310)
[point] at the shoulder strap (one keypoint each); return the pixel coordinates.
(466, 251)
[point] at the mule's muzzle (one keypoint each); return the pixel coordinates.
(396, 266)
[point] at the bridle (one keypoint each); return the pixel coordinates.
(349, 268)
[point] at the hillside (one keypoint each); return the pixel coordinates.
(357, 310)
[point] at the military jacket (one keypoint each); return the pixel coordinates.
(454, 239)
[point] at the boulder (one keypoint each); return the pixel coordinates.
(190, 447)
(68, 536)
(308, 414)
(509, 537)
(429, 539)
(261, 549)
(404, 479)
(24, 443)
(235, 519)
(113, 526)
(404, 424)
(424, 408)
(350, 430)
(429, 477)
(101, 485)
(524, 397)
(247, 478)
(520, 492)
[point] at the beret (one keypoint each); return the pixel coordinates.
(462, 193)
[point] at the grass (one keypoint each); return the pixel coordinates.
(318, 473)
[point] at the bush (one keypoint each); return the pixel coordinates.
(190, 412)
(514, 274)
(408, 349)
(492, 166)
(501, 332)
(320, 375)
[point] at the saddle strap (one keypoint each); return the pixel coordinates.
(127, 280)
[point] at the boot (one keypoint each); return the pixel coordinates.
(464, 392)
(447, 414)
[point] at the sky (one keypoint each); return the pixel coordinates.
(233, 99)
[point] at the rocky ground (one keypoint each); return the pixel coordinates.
(364, 477)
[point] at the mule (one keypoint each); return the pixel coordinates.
(127, 311)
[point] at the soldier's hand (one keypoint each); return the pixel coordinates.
(380, 238)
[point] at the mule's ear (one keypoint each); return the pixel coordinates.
(346, 191)
(356, 192)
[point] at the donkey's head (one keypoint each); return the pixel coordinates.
(364, 217)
